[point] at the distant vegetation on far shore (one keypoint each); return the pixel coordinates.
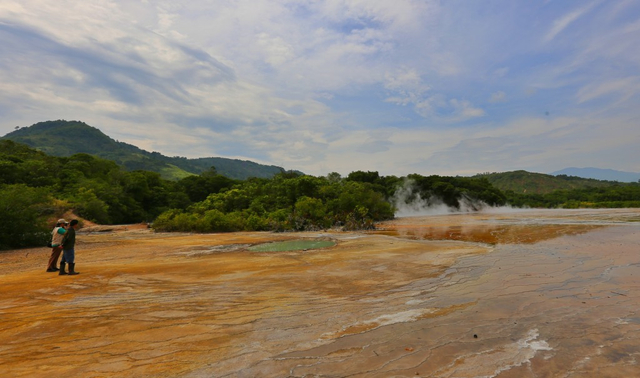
(527, 189)
(523, 182)
(37, 188)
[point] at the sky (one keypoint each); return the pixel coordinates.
(395, 86)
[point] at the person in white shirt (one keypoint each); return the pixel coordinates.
(56, 244)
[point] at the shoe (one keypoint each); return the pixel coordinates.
(72, 267)
(62, 272)
(52, 270)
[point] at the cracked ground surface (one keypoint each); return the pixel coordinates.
(511, 294)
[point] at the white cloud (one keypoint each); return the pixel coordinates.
(428, 107)
(405, 80)
(406, 85)
(276, 50)
(499, 96)
(464, 109)
(626, 88)
(563, 22)
(408, 88)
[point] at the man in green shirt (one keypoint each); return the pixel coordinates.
(68, 249)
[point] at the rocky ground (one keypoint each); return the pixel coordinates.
(505, 294)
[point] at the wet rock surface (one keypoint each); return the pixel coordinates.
(520, 294)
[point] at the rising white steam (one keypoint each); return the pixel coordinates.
(409, 203)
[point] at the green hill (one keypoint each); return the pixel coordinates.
(53, 138)
(524, 182)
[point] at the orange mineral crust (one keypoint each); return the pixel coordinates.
(499, 294)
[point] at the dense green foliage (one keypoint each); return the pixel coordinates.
(97, 189)
(26, 225)
(285, 203)
(66, 138)
(292, 202)
(615, 196)
(36, 188)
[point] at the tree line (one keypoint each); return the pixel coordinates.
(36, 187)
(620, 195)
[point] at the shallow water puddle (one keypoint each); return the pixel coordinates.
(292, 245)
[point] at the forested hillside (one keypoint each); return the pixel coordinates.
(36, 189)
(65, 138)
(523, 182)
(600, 174)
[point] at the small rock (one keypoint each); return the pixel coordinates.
(475, 336)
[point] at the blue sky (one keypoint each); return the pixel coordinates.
(399, 87)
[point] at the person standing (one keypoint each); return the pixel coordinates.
(56, 240)
(68, 249)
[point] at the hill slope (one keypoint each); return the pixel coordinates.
(600, 174)
(52, 138)
(539, 183)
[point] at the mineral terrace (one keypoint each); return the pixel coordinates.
(502, 294)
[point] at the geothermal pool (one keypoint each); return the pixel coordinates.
(511, 294)
(292, 245)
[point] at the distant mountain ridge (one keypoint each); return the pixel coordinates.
(599, 174)
(524, 182)
(53, 138)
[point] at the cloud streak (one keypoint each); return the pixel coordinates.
(563, 22)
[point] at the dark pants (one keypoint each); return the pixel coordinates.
(53, 260)
(69, 256)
